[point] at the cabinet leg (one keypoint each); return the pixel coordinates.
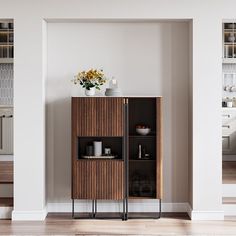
(93, 215)
(126, 204)
(95, 208)
(159, 216)
(73, 208)
(124, 215)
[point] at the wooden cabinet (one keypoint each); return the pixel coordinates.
(84, 180)
(113, 121)
(99, 116)
(92, 119)
(229, 131)
(99, 179)
(6, 41)
(6, 131)
(6, 172)
(145, 173)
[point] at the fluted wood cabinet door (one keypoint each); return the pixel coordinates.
(85, 180)
(109, 179)
(6, 172)
(99, 179)
(99, 116)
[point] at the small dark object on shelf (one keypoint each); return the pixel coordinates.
(89, 150)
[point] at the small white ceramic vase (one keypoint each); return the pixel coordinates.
(90, 92)
(97, 147)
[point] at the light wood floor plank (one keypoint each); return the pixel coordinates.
(64, 225)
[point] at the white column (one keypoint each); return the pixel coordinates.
(29, 121)
(207, 157)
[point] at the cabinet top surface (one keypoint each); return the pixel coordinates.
(128, 96)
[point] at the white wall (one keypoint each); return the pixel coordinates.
(29, 136)
(146, 59)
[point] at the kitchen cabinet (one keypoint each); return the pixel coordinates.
(229, 131)
(6, 131)
(6, 41)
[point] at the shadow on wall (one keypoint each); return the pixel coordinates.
(175, 91)
(58, 138)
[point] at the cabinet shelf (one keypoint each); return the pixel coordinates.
(226, 31)
(100, 159)
(142, 160)
(114, 143)
(134, 197)
(142, 136)
(6, 30)
(230, 43)
(6, 44)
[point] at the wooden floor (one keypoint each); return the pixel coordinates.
(64, 225)
(229, 172)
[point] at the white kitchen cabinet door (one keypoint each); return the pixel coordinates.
(6, 132)
(229, 132)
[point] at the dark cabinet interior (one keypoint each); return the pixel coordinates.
(142, 179)
(114, 143)
(142, 148)
(142, 111)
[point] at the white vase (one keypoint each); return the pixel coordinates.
(90, 92)
(97, 147)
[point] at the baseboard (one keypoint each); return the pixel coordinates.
(229, 157)
(134, 206)
(29, 215)
(5, 212)
(205, 215)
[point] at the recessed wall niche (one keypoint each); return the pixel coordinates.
(147, 58)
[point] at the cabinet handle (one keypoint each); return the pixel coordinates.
(226, 116)
(6, 116)
(226, 126)
(125, 100)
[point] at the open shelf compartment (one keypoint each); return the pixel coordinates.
(114, 143)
